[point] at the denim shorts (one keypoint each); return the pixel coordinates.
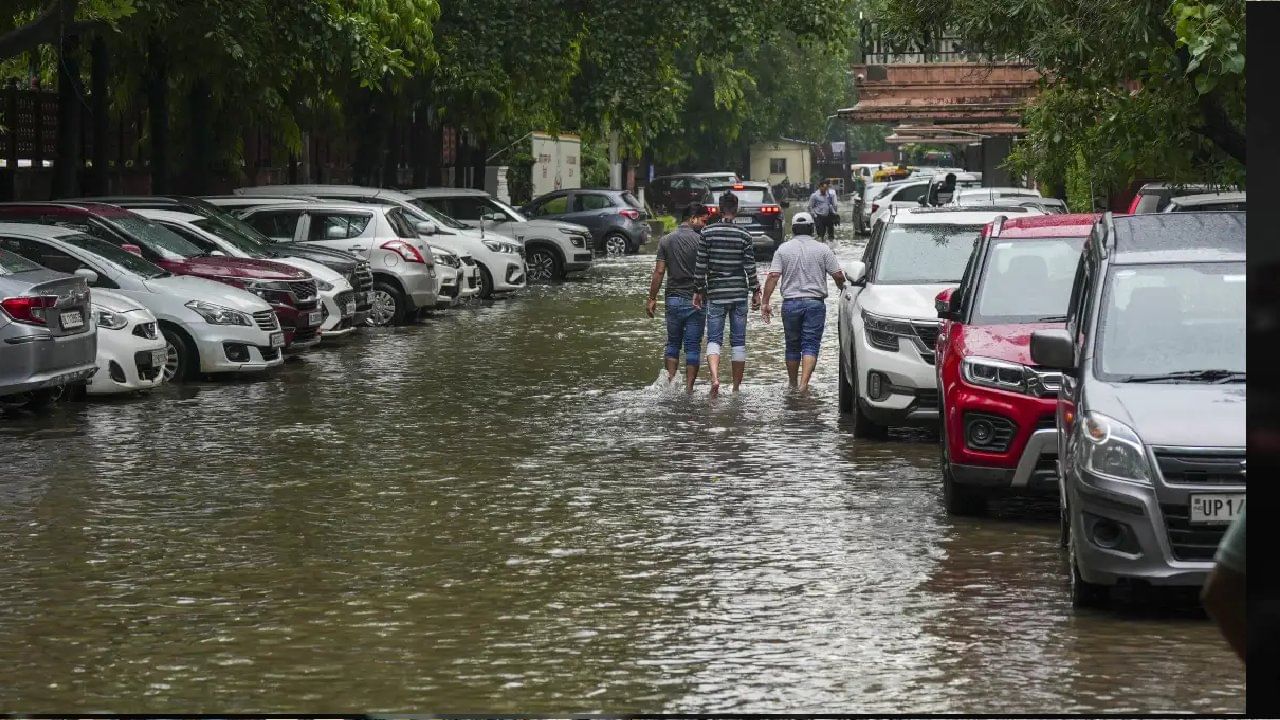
(803, 320)
(684, 326)
(737, 315)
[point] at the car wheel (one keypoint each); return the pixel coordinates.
(846, 389)
(180, 358)
(957, 499)
(863, 426)
(542, 267)
(387, 305)
(1084, 594)
(616, 244)
(486, 283)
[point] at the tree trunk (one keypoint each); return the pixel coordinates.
(66, 166)
(198, 155)
(480, 151)
(158, 114)
(97, 184)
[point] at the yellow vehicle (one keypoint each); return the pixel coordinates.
(890, 174)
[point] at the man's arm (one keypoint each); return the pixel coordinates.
(813, 202)
(769, 285)
(655, 282)
(1224, 599)
(749, 267)
(700, 273)
(833, 269)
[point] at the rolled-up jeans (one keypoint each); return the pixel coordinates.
(737, 313)
(685, 324)
(803, 320)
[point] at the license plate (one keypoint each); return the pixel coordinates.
(314, 318)
(158, 358)
(277, 339)
(743, 220)
(1216, 508)
(71, 320)
(349, 308)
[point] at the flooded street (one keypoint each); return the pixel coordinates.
(498, 510)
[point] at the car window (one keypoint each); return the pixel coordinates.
(15, 256)
(277, 225)
(232, 236)
(631, 200)
(1149, 203)
(551, 206)
(1027, 281)
(680, 184)
(754, 196)
(205, 244)
(337, 226)
(154, 240)
(910, 193)
(585, 202)
(924, 254)
(400, 225)
(466, 208)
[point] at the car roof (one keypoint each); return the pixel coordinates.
(989, 190)
(175, 215)
(1167, 184)
(324, 205)
(1208, 198)
(1042, 226)
(1215, 236)
(314, 190)
(43, 232)
(951, 215)
(73, 207)
(444, 192)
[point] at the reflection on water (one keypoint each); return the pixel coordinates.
(500, 510)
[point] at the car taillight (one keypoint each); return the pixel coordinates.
(406, 251)
(771, 209)
(1133, 206)
(630, 214)
(28, 310)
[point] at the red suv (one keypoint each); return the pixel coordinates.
(290, 292)
(998, 431)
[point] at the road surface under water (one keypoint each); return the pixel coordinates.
(498, 510)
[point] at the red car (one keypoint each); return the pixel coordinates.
(290, 292)
(998, 428)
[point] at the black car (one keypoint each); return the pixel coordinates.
(758, 212)
(671, 194)
(617, 222)
(1151, 411)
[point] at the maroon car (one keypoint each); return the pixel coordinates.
(291, 292)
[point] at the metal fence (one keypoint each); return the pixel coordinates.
(883, 48)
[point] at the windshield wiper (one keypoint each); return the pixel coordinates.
(1213, 376)
(1053, 318)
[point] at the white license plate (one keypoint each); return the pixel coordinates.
(277, 339)
(314, 318)
(1216, 508)
(158, 358)
(743, 220)
(71, 320)
(349, 308)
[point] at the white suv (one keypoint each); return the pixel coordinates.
(888, 322)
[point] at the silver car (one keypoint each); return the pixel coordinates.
(47, 335)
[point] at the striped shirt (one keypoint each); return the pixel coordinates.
(726, 266)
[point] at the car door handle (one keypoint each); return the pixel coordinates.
(357, 247)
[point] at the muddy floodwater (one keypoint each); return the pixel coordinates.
(498, 510)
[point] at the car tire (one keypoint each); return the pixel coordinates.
(616, 245)
(863, 426)
(182, 361)
(956, 498)
(847, 394)
(389, 306)
(1084, 594)
(486, 284)
(542, 266)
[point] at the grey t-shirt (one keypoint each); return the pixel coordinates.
(804, 264)
(679, 251)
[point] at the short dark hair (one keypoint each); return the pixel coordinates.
(802, 229)
(728, 202)
(823, 182)
(695, 209)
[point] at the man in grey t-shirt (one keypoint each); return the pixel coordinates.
(801, 266)
(677, 255)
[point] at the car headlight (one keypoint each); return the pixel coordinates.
(323, 286)
(218, 315)
(109, 320)
(1113, 449)
(500, 246)
(883, 332)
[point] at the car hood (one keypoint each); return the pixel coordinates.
(337, 260)
(1189, 414)
(244, 268)
(549, 226)
(317, 271)
(914, 302)
(195, 288)
(1011, 343)
(114, 302)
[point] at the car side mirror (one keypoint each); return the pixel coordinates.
(857, 273)
(335, 232)
(89, 276)
(131, 248)
(493, 217)
(947, 304)
(425, 227)
(218, 253)
(1053, 349)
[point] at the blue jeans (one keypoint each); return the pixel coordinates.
(737, 313)
(803, 321)
(684, 325)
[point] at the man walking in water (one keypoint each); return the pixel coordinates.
(677, 254)
(822, 206)
(724, 273)
(801, 267)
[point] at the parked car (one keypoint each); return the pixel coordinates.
(617, 222)
(998, 434)
(990, 195)
(888, 321)
(338, 310)
(910, 193)
(131, 349)
(449, 272)
(671, 194)
(758, 213)
(208, 326)
(405, 281)
(499, 272)
(232, 203)
(553, 249)
(1151, 415)
(289, 291)
(862, 218)
(221, 222)
(1207, 202)
(1154, 197)
(48, 339)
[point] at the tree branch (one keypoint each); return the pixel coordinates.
(44, 29)
(1218, 127)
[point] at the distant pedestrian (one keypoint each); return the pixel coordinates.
(800, 269)
(677, 255)
(1225, 591)
(724, 275)
(822, 206)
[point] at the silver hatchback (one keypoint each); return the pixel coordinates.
(47, 335)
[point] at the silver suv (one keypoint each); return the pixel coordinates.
(404, 273)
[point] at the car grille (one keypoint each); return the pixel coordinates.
(142, 361)
(145, 330)
(927, 399)
(362, 278)
(927, 332)
(304, 289)
(266, 320)
(450, 261)
(342, 298)
(1191, 543)
(1200, 468)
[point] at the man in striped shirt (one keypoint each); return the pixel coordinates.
(723, 275)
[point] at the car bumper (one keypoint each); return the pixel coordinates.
(420, 289)
(579, 260)
(340, 314)
(469, 282)
(1029, 464)
(450, 284)
(911, 384)
(36, 361)
(1034, 474)
(212, 343)
(125, 363)
(512, 277)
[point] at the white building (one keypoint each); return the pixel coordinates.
(777, 160)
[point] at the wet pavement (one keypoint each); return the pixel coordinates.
(499, 510)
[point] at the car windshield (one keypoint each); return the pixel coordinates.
(1159, 321)
(11, 263)
(424, 211)
(751, 195)
(159, 240)
(114, 255)
(232, 237)
(1027, 281)
(631, 200)
(510, 211)
(925, 254)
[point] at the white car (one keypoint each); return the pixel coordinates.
(132, 351)
(449, 271)
(991, 195)
(208, 326)
(888, 322)
(909, 193)
(337, 298)
(501, 259)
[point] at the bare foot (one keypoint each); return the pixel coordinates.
(715, 388)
